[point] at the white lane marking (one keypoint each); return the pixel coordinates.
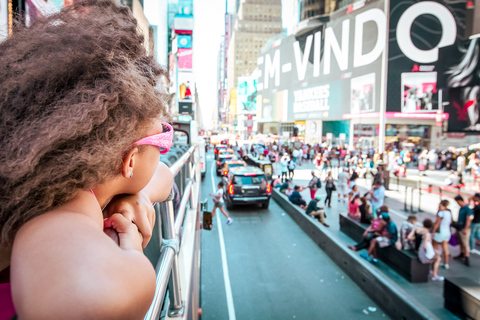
(226, 276)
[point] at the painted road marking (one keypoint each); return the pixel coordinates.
(226, 276)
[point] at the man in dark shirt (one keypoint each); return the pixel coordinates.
(475, 227)
(465, 216)
(315, 212)
(296, 198)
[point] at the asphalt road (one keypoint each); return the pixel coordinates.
(263, 266)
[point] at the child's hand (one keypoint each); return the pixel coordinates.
(129, 237)
(137, 209)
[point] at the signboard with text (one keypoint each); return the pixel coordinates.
(331, 70)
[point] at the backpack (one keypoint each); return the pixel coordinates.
(319, 183)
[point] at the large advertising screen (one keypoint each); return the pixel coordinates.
(424, 40)
(246, 95)
(329, 71)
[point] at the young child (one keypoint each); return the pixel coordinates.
(218, 203)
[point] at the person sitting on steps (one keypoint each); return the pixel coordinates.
(315, 212)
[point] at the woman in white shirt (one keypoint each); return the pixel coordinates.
(441, 230)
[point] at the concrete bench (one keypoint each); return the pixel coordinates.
(462, 297)
(405, 262)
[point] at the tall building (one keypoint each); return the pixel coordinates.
(312, 8)
(257, 21)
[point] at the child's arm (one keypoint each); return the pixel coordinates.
(95, 278)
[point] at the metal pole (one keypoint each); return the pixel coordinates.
(405, 202)
(440, 191)
(176, 304)
(420, 200)
(411, 200)
(383, 85)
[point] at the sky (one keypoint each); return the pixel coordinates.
(207, 35)
(209, 28)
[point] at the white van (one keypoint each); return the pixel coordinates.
(203, 160)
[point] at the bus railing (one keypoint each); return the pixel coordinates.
(167, 268)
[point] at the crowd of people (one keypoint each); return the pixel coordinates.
(430, 239)
(362, 161)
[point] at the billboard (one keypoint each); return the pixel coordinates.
(419, 91)
(425, 41)
(246, 95)
(184, 41)
(330, 70)
(184, 57)
(186, 87)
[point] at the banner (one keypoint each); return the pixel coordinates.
(331, 70)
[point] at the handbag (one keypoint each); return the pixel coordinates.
(457, 225)
(334, 187)
(453, 240)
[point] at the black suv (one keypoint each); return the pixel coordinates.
(221, 162)
(246, 185)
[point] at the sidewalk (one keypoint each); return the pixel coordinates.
(429, 294)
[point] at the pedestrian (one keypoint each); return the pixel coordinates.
(384, 240)
(475, 226)
(291, 168)
(424, 247)
(314, 185)
(353, 207)
(364, 210)
(284, 168)
(285, 186)
(318, 161)
(405, 229)
(342, 184)
(219, 203)
(276, 183)
(315, 212)
(295, 154)
(441, 230)
(329, 186)
(475, 171)
(461, 163)
(377, 195)
(462, 225)
(375, 229)
(296, 198)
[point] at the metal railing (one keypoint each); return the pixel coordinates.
(167, 269)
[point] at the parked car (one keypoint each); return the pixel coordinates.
(246, 185)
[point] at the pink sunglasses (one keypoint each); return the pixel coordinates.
(162, 140)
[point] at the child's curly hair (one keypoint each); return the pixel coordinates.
(77, 89)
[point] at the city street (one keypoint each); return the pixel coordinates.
(275, 271)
